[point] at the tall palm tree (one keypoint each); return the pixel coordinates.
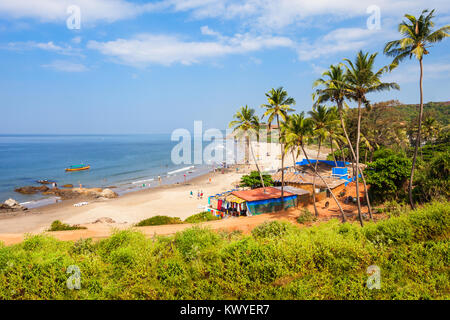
(297, 129)
(278, 106)
(334, 88)
(247, 124)
(361, 80)
(418, 37)
(322, 120)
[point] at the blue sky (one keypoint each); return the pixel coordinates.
(154, 66)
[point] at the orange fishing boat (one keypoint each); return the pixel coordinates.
(79, 167)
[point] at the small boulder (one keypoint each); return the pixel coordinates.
(109, 194)
(104, 220)
(13, 204)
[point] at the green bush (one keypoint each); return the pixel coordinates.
(59, 226)
(305, 217)
(387, 177)
(159, 220)
(201, 217)
(277, 261)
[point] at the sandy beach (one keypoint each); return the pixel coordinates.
(169, 200)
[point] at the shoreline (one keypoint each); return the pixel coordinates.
(167, 199)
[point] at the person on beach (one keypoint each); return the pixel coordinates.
(159, 180)
(198, 195)
(192, 194)
(201, 195)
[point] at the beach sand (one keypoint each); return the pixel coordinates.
(170, 200)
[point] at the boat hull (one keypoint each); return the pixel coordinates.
(78, 169)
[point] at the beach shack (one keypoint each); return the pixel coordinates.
(227, 204)
(303, 196)
(266, 200)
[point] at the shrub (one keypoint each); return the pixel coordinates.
(159, 220)
(306, 216)
(432, 180)
(387, 177)
(201, 217)
(59, 226)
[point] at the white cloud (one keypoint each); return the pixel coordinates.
(91, 10)
(281, 13)
(147, 49)
(66, 66)
(76, 40)
(46, 46)
(341, 40)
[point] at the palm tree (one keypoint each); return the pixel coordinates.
(334, 89)
(279, 104)
(297, 129)
(418, 36)
(361, 80)
(322, 119)
(247, 124)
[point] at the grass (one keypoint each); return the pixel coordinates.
(276, 261)
(59, 226)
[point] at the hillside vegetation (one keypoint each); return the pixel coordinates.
(277, 261)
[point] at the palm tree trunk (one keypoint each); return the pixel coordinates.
(247, 142)
(326, 184)
(410, 186)
(332, 151)
(257, 168)
(282, 162)
(358, 132)
(354, 160)
(314, 181)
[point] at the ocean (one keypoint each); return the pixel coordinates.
(126, 161)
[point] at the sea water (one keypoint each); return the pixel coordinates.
(128, 162)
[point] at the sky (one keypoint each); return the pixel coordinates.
(132, 67)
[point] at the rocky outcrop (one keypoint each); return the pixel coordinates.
(31, 189)
(11, 205)
(109, 194)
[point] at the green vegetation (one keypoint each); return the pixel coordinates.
(201, 217)
(253, 180)
(387, 177)
(159, 220)
(277, 261)
(306, 216)
(59, 226)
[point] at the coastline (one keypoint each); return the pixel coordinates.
(168, 199)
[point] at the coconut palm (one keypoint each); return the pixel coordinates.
(361, 80)
(418, 37)
(278, 106)
(247, 124)
(321, 118)
(334, 88)
(296, 130)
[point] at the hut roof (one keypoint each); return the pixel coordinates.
(259, 194)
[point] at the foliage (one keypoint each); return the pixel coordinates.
(253, 180)
(201, 217)
(387, 177)
(305, 217)
(277, 261)
(59, 226)
(432, 180)
(158, 220)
